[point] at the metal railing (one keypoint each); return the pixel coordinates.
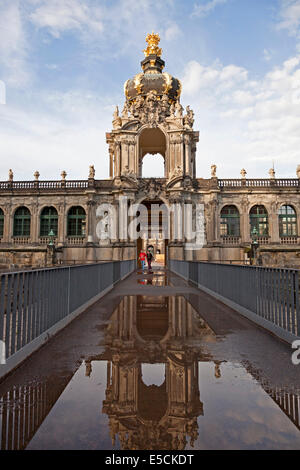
(270, 293)
(31, 302)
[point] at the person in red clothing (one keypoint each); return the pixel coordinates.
(142, 258)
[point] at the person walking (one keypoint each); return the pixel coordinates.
(142, 258)
(149, 260)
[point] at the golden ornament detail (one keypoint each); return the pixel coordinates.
(137, 82)
(153, 40)
(168, 82)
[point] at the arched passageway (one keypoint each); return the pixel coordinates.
(152, 142)
(154, 229)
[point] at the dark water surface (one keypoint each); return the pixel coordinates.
(153, 385)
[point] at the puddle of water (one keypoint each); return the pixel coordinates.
(155, 281)
(153, 388)
(230, 411)
(157, 278)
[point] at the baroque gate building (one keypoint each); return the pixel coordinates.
(66, 221)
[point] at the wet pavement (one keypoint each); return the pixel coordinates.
(155, 364)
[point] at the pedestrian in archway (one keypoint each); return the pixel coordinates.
(142, 258)
(149, 259)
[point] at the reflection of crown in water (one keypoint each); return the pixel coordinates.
(152, 40)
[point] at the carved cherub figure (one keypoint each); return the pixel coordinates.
(243, 173)
(92, 171)
(189, 118)
(116, 113)
(125, 111)
(177, 171)
(164, 103)
(117, 121)
(272, 173)
(179, 109)
(213, 169)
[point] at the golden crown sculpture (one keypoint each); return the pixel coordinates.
(152, 40)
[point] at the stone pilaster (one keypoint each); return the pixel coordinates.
(34, 223)
(245, 222)
(273, 224)
(8, 223)
(61, 224)
(91, 221)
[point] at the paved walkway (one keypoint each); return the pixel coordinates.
(127, 355)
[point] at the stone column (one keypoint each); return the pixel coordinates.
(193, 158)
(177, 226)
(117, 158)
(179, 153)
(131, 153)
(194, 166)
(244, 227)
(273, 223)
(217, 222)
(123, 216)
(8, 223)
(209, 222)
(187, 155)
(61, 224)
(125, 155)
(116, 221)
(172, 156)
(91, 220)
(34, 225)
(245, 223)
(111, 161)
(297, 208)
(213, 219)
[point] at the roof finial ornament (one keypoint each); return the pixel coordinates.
(152, 40)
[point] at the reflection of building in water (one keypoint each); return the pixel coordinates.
(23, 408)
(142, 413)
(288, 402)
(155, 330)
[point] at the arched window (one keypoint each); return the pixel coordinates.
(22, 222)
(76, 222)
(287, 221)
(230, 222)
(49, 221)
(259, 221)
(1, 222)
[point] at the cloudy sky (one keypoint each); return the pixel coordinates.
(64, 63)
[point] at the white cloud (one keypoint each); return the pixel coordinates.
(267, 55)
(59, 16)
(15, 70)
(201, 10)
(246, 122)
(172, 32)
(68, 135)
(197, 76)
(290, 16)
